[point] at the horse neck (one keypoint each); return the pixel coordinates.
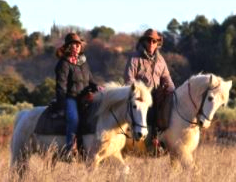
(184, 104)
(189, 101)
(115, 120)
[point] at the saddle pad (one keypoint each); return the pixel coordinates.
(57, 126)
(50, 126)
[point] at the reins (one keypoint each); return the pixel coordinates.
(130, 112)
(117, 121)
(200, 111)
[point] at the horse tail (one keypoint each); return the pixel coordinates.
(24, 127)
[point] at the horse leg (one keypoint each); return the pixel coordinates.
(119, 156)
(187, 160)
(20, 155)
(102, 154)
(21, 163)
(175, 161)
(105, 150)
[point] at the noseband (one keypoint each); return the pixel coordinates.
(129, 112)
(200, 110)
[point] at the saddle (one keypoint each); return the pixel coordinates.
(48, 125)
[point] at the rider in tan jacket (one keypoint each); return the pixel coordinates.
(148, 65)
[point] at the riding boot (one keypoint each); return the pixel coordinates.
(70, 153)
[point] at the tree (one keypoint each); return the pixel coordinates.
(12, 90)
(44, 92)
(10, 29)
(35, 43)
(178, 66)
(9, 16)
(102, 32)
(173, 26)
(199, 43)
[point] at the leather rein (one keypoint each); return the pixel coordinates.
(129, 112)
(200, 110)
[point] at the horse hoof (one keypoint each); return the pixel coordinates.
(126, 170)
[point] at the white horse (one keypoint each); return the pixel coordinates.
(194, 105)
(120, 107)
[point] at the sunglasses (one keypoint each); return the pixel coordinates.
(153, 41)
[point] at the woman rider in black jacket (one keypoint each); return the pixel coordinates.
(72, 76)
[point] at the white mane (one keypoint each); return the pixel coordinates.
(202, 81)
(115, 93)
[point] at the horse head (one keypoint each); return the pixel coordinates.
(126, 104)
(139, 102)
(216, 94)
(206, 93)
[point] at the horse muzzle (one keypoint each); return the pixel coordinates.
(204, 122)
(139, 136)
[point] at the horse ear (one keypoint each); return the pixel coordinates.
(213, 80)
(210, 81)
(132, 87)
(229, 84)
(150, 89)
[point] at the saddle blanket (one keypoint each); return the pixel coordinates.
(48, 125)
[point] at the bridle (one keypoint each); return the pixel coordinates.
(200, 110)
(129, 112)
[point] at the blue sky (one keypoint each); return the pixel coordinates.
(121, 15)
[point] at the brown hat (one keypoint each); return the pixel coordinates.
(150, 33)
(72, 37)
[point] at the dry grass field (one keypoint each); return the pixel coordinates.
(214, 163)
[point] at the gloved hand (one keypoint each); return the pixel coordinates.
(100, 88)
(93, 87)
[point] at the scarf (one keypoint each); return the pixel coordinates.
(145, 54)
(76, 59)
(73, 56)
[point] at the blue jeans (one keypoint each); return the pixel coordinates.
(72, 121)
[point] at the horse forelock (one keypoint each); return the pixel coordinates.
(218, 84)
(145, 93)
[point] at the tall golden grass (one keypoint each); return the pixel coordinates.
(214, 163)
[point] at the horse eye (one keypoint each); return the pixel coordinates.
(134, 106)
(139, 99)
(210, 98)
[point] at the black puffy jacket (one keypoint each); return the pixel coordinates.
(71, 79)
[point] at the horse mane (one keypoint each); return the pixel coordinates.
(202, 81)
(115, 93)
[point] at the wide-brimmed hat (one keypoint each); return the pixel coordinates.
(72, 37)
(153, 34)
(150, 33)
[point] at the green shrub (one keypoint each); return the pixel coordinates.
(8, 112)
(226, 114)
(12, 90)
(44, 92)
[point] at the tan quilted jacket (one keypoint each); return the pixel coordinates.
(152, 73)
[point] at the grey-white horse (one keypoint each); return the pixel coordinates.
(121, 107)
(194, 105)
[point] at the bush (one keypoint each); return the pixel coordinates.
(12, 90)
(226, 114)
(44, 92)
(8, 112)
